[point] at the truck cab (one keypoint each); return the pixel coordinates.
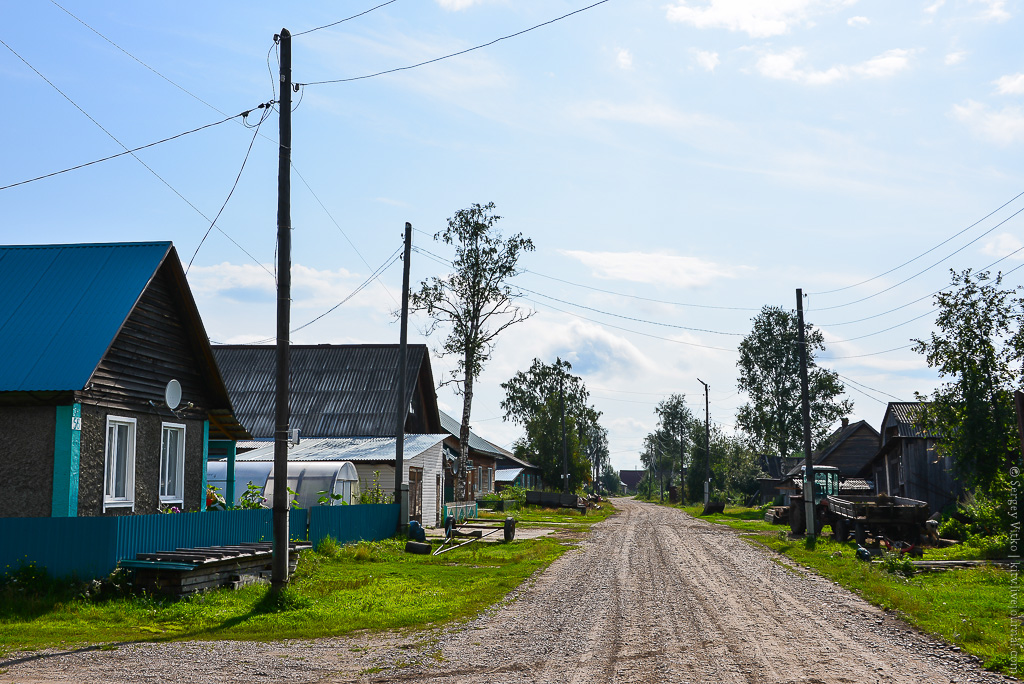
(826, 481)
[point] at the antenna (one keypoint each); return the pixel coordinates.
(172, 394)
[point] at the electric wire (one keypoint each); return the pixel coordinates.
(629, 318)
(341, 21)
(905, 280)
(264, 115)
(127, 151)
(135, 156)
(454, 54)
(373, 276)
(905, 263)
(860, 384)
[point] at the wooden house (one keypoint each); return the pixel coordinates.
(907, 463)
(339, 392)
(109, 393)
(482, 460)
(512, 470)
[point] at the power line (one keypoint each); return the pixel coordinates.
(135, 156)
(265, 114)
(341, 21)
(629, 318)
(858, 356)
(905, 280)
(454, 54)
(127, 151)
(905, 263)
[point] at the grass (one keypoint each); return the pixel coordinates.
(970, 607)
(335, 590)
(737, 517)
(537, 516)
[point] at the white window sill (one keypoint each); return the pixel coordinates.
(118, 504)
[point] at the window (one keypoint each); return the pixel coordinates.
(119, 463)
(172, 463)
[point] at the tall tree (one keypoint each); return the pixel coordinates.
(978, 347)
(533, 399)
(594, 442)
(475, 302)
(769, 365)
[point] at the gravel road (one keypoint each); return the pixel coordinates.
(651, 596)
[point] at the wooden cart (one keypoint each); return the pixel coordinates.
(893, 517)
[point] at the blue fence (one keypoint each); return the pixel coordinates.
(365, 522)
(92, 546)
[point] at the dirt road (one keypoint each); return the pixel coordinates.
(652, 596)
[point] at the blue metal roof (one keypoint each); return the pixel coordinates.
(62, 305)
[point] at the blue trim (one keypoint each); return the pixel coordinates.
(206, 459)
(67, 449)
(232, 447)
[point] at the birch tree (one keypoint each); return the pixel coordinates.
(474, 303)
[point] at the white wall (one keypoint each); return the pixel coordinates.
(431, 462)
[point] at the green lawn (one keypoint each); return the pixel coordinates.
(737, 517)
(369, 586)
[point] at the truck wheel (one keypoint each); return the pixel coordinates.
(840, 530)
(859, 533)
(796, 518)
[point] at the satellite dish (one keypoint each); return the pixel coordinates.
(172, 394)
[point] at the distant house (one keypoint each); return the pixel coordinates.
(513, 470)
(340, 392)
(850, 448)
(109, 393)
(907, 463)
(482, 460)
(631, 479)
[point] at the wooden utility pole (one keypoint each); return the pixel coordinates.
(279, 566)
(682, 464)
(805, 403)
(401, 408)
(707, 443)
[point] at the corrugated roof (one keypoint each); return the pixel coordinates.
(903, 414)
(477, 442)
(507, 474)
(62, 306)
(336, 390)
(346, 449)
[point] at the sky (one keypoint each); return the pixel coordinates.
(678, 164)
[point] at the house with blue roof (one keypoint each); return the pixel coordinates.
(110, 397)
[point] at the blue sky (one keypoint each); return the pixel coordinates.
(678, 164)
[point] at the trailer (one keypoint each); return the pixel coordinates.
(891, 517)
(894, 518)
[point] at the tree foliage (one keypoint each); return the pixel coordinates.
(533, 400)
(474, 302)
(769, 365)
(675, 442)
(978, 348)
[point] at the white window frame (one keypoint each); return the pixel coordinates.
(109, 500)
(179, 496)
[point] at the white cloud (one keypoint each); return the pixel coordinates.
(756, 18)
(954, 58)
(647, 114)
(625, 59)
(993, 9)
(456, 5)
(658, 268)
(1012, 84)
(1003, 245)
(787, 66)
(1004, 127)
(887, 64)
(707, 60)
(934, 7)
(857, 22)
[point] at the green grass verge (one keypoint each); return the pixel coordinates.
(537, 516)
(338, 590)
(737, 517)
